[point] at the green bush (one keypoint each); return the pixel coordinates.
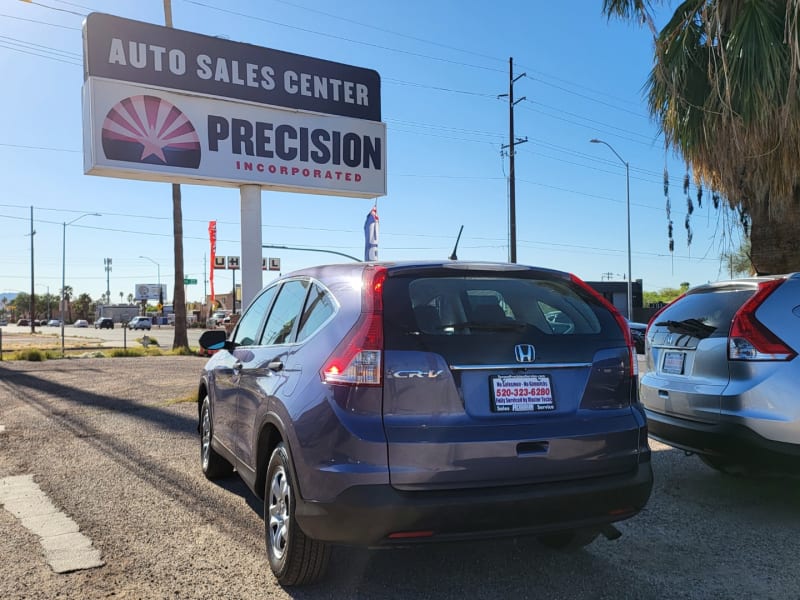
(32, 354)
(126, 352)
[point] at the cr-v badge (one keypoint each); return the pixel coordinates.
(416, 374)
(525, 353)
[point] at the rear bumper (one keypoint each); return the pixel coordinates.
(368, 515)
(720, 439)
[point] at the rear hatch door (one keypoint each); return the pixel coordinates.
(687, 361)
(486, 376)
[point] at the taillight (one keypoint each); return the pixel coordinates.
(357, 358)
(621, 321)
(749, 339)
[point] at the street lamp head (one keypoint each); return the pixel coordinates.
(595, 141)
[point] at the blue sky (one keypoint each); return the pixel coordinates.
(443, 64)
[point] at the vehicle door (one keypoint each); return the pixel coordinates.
(267, 369)
(227, 367)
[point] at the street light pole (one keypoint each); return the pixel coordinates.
(64, 270)
(628, 205)
(160, 293)
(158, 269)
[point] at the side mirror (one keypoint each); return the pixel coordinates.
(213, 339)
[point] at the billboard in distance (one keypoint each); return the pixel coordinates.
(149, 291)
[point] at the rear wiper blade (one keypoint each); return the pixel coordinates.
(693, 327)
(508, 326)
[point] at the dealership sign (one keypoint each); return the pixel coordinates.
(167, 105)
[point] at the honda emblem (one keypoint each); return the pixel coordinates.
(525, 353)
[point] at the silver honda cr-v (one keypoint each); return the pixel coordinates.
(390, 403)
(723, 374)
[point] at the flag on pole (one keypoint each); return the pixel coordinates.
(212, 236)
(371, 235)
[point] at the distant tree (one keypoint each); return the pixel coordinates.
(665, 295)
(21, 305)
(737, 263)
(83, 306)
(66, 294)
(130, 298)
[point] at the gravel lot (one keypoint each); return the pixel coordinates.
(113, 443)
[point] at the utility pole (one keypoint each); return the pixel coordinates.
(512, 141)
(180, 340)
(107, 266)
(33, 292)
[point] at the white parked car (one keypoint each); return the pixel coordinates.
(81, 323)
(140, 323)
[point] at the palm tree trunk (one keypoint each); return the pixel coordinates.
(774, 238)
(181, 339)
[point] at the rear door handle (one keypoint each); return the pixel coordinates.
(275, 365)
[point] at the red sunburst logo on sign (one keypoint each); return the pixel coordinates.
(148, 129)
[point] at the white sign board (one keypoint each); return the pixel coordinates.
(162, 104)
(149, 291)
(146, 133)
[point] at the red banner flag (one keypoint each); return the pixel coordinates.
(212, 236)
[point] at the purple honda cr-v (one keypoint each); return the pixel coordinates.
(393, 403)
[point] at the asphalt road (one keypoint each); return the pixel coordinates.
(113, 444)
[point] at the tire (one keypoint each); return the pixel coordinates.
(568, 541)
(213, 465)
(295, 559)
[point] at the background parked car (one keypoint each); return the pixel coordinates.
(54, 323)
(104, 323)
(723, 373)
(638, 331)
(140, 323)
(23, 322)
(81, 323)
(374, 404)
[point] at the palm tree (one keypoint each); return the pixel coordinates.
(130, 298)
(724, 89)
(181, 339)
(66, 294)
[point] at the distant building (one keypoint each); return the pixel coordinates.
(120, 313)
(616, 292)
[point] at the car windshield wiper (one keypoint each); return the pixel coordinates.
(693, 327)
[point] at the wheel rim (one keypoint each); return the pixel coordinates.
(205, 446)
(279, 498)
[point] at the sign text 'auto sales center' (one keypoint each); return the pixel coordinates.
(163, 104)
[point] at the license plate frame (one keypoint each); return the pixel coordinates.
(521, 393)
(674, 363)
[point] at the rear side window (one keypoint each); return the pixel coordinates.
(285, 313)
(319, 307)
(704, 314)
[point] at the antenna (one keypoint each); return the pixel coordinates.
(453, 255)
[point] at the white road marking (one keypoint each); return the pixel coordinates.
(65, 548)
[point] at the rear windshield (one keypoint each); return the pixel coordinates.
(704, 314)
(468, 317)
